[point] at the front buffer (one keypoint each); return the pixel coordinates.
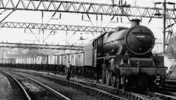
(142, 78)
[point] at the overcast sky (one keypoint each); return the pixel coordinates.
(22, 35)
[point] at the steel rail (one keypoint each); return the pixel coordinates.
(50, 89)
(20, 85)
(165, 96)
(99, 89)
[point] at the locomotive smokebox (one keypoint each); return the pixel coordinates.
(135, 22)
(139, 39)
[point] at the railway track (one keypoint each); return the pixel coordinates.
(170, 85)
(99, 89)
(167, 91)
(96, 89)
(162, 96)
(83, 92)
(19, 87)
(36, 90)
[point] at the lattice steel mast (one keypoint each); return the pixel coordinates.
(83, 8)
(46, 26)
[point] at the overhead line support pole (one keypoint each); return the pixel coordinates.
(164, 26)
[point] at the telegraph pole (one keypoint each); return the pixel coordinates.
(164, 15)
(164, 25)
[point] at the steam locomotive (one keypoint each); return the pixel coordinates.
(134, 64)
(131, 49)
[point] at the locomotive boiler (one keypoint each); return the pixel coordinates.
(131, 49)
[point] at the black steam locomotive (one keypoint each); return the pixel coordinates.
(131, 49)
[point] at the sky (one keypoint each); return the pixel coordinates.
(60, 37)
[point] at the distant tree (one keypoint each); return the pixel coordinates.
(171, 49)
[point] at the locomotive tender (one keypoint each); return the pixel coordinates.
(131, 49)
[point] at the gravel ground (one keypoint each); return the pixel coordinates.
(9, 90)
(70, 92)
(35, 91)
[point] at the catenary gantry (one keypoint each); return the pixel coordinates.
(40, 46)
(93, 8)
(55, 27)
(85, 8)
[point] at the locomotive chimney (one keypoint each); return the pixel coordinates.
(135, 22)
